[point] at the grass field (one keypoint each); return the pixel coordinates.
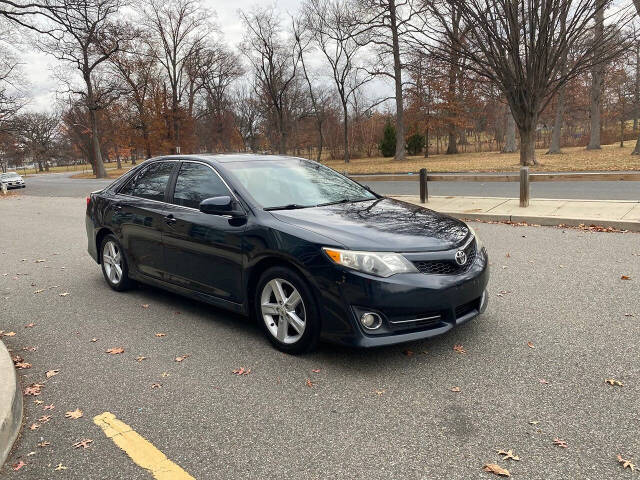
(610, 158)
(65, 168)
(112, 173)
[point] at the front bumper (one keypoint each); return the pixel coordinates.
(412, 306)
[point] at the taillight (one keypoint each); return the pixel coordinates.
(88, 201)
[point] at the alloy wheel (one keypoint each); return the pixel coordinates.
(112, 261)
(283, 311)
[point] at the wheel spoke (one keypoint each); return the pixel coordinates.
(296, 322)
(112, 249)
(269, 309)
(293, 300)
(107, 259)
(118, 271)
(276, 286)
(283, 325)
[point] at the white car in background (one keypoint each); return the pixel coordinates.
(11, 180)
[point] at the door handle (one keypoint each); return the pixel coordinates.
(170, 219)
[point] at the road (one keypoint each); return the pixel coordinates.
(374, 414)
(60, 185)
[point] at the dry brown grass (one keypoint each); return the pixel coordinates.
(10, 194)
(110, 173)
(610, 158)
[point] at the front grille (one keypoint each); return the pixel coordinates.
(466, 308)
(448, 267)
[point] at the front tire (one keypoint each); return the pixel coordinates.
(114, 264)
(286, 310)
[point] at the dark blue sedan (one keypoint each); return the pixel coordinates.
(308, 252)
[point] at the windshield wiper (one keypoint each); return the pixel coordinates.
(291, 206)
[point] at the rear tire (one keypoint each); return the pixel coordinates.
(286, 309)
(114, 264)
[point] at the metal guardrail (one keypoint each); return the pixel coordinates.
(524, 177)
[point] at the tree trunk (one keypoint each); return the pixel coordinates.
(636, 110)
(528, 146)
(320, 142)
(397, 73)
(95, 144)
(426, 143)
(345, 132)
(510, 145)
(557, 125)
(636, 151)
(597, 78)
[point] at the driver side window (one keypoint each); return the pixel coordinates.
(195, 183)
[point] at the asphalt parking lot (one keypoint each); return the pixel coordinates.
(336, 413)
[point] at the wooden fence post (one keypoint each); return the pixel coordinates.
(424, 191)
(524, 186)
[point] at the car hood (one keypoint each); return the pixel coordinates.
(384, 224)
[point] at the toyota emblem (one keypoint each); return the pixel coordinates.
(461, 257)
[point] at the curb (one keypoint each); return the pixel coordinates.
(10, 404)
(547, 221)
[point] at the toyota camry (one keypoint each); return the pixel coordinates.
(305, 250)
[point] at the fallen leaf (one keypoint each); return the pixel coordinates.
(77, 413)
(241, 371)
(30, 454)
(8, 334)
(160, 334)
(408, 353)
(156, 385)
(64, 294)
(508, 455)
(43, 444)
(44, 418)
(316, 370)
(60, 467)
(614, 383)
(33, 389)
(629, 315)
(182, 357)
(309, 383)
(52, 373)
(379, 392)
(496, 470)
(455, 389)
(141, 358)
(93, 340)
(459, 349)
(19, 465)
(534, 422)
(38, 402)
(508, 255)
(625, 277)
(83, 443)
(34, 426)
(30, 325)
(22, 365)
(17, 359)
(543, 381)
(115, 350)
(40, 260)
(165, 374)
(29, 349)
(560, 443)
(49, 407)
(145, 305)
(626, 463)
(530, 345)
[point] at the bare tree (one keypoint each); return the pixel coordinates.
(274, 62)
(510, 144)
(597, 79)
(178, 29)
(334, 30)
(520, 45)
(247, 115)
(385, 23)
(88, 37)
(37, 131)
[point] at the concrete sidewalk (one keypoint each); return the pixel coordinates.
(624, 215)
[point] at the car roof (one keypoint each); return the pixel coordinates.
(231, 157)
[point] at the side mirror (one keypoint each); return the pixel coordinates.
(223, 205)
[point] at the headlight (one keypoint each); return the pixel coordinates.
(479, 243)
(381, 264)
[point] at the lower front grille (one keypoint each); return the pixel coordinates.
(448, 267)
(466, 308)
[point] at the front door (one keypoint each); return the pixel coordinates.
(203, 252)
(138, 218)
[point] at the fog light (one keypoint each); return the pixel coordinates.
(370, 321)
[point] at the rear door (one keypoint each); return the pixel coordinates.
(139, 216)
(203, 252)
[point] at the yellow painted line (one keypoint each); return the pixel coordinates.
(139, 449)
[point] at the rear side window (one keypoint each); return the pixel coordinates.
(195, 183)
(151, 183)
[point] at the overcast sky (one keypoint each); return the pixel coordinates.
(37, 66)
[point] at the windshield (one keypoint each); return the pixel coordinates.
(9, 175)
(295, 183)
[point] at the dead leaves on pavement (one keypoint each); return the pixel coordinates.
(560, 443)
(496, 470)
(52, 373)
(75, 414)
(613, 382)
(508, 455)
(83, 443)
(241, 371)
(626, 463)
(115, 350)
